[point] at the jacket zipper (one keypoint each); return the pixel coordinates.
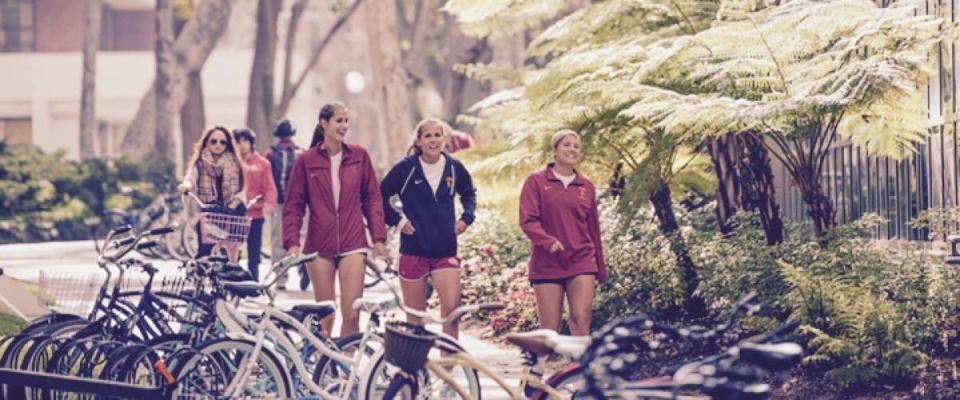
(336, 208)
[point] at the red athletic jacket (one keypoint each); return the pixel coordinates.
(331, 231)
(548, 213)
(259, 180)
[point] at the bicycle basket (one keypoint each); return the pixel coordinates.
(407, 345)
(223, 228)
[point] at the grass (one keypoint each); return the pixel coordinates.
(10, 324)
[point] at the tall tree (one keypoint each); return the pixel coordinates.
(192, 114)
(191, 49)
(390, 81)
(88, 115)
(163, 85)
(260, 105)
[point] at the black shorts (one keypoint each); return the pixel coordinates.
(560, 281)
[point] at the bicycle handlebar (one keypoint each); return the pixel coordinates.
(124, 246)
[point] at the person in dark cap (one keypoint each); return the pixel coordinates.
(281, 156)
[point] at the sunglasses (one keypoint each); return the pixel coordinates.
(217, 141)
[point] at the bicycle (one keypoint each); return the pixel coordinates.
(406, 350)
(161, 211)
(221, 228)
(260, 359)
(610, 362)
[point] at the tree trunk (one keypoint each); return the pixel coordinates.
(745, 182)
(390, 81)
(667, 223)
(165, 65)
(455, 94)
(88, 115)
(290, 41)
(191, 49)
(423, 26)
(192, 116)
(260, 95)
(820, 208)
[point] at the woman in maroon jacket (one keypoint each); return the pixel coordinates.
(558, 212)
(337, 182)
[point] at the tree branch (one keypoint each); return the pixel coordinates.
(296, 14)
(287, 96)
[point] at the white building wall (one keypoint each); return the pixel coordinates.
(45, 87)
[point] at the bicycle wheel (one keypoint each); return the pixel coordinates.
(401, 388)
(189, 241)
(377, 378)
(370, 279)
(139, 368)
(209, 372)
(329, 373)
(569, 381)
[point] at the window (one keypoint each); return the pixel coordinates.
(16, 131)
(16, 25)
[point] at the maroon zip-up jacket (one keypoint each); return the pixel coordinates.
(330, 231)
(548, 213)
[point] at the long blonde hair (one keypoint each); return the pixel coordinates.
(418, 131)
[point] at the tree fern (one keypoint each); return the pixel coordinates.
(492, 18)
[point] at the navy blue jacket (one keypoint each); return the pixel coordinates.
(432, 214)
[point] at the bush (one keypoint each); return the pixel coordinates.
(46, 197)
(871, 313)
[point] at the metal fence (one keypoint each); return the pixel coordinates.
(896, 190)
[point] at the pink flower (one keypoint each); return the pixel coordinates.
(487, 250)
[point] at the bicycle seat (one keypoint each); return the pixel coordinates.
(774, 357)
(570, 346)
(544, 341)
(235, 276)
(371, 306)
(243, 289)
(319, 311)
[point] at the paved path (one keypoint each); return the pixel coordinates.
(76, 261)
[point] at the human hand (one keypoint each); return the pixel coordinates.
(382, 251)
(408, 228)
(556, 246)
(293, 251)
(460, 227)
(183, 188)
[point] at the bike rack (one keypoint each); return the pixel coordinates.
(16, 381)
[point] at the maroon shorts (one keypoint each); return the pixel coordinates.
(416, 267)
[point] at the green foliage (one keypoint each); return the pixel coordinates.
(872, 314)
(482, 18)
(46, 197)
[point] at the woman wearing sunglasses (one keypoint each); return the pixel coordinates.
(215, 175)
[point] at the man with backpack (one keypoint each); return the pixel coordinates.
(281, 156)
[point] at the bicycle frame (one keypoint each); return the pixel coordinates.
(462, 359)
(267, 325)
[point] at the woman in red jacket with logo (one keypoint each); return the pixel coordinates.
(558, 212)
(337, 182)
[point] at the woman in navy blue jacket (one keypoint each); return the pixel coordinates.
(427, 182)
